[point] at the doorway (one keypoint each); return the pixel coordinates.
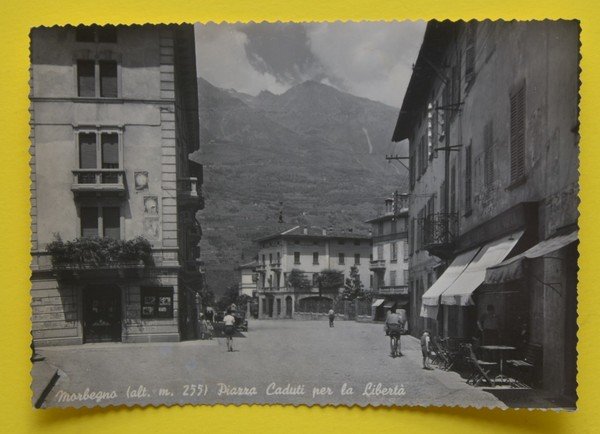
(102, 314)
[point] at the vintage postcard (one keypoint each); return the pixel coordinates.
(361, 213)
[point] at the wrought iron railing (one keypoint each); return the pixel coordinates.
(440, 229)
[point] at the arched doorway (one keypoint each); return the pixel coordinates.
(288, 306)
(102, 313)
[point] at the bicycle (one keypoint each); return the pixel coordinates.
(395, 344)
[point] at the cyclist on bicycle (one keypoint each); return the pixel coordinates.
(395, 324)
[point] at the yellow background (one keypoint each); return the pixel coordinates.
(16, 413)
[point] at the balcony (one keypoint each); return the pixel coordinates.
(189, 193)
(440, 232)
(98, 181)
(260, 268)
(377, 265)
(275, 265)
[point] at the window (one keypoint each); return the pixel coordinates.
(380, 252)
(278, 257)
(296, 258)
(380, 228)
(394, 252)
(263, 259)
(89, 222)
(423, 156)
(517, 134)
(411, 236)
(405, 277)
(108, 78)
(157, 302)
(86, 78)
(357, 259)
(99, 150)
(341, 258)
(104, 34)
(394, 227)
(270, 258)
(111, 217)
(411, 168)
(357, 242)
(468, 176)
(405, 250)
(315, 279)
(315, 258)
(107, 84)
(370, 281)
(393, 278)
(488, 154)
(100, 222)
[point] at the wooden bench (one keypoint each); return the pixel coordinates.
(528, 366)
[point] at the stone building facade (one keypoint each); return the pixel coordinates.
(114, 117)
(491, 115)
(389, 263)
(310, 250)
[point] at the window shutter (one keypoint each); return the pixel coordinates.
(86, 78)
(488, 155)
(87, 151)
(89, 222)
(517, 134)
(111, 222)
(468, 177)
(108, 79)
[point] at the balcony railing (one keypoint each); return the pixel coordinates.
(189, 193)
(275, 265)
(99, 180)
(260, 268)
(440, 232)
(377, 265)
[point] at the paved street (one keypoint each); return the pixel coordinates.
(308, 356)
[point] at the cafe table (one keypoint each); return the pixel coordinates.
(500, 349)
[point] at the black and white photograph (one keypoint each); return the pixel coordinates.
(325, 213)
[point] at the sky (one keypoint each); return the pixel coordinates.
(368, 59)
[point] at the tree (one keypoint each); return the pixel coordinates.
(353, 288)
(298, 281)
(329, 281)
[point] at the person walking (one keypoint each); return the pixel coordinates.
(331, 314)
(229, 329)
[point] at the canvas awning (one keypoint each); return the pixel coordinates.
(431, 297)
(514, 268)
(389, 304)
(461, 290)
(377, 302)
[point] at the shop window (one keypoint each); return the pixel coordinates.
(316, 258)
(157, 302)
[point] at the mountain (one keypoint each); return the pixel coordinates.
(314, 152)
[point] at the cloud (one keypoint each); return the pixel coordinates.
(368, 59)
(372, 59)
(221, 59)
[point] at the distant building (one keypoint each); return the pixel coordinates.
(114, 118)
(491, 115)
(248, 279)
(309, 250)
(389, 263)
